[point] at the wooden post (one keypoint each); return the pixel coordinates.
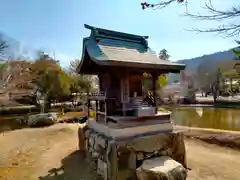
(88, 107)
(154, 78)
(125, 91)
(89, 102)
(105, 104)
(105, 109)
(96, 110)
(124, 110)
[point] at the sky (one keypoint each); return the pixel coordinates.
(57, 26)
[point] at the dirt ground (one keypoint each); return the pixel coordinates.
(51, 153)
(214, 136)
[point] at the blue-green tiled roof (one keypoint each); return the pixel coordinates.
(107, 47)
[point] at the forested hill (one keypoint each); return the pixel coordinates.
(193, 63)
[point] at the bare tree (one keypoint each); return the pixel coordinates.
(73, 65)
(229, 29)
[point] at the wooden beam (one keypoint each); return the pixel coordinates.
(101, 113)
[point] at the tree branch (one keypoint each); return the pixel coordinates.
(228, 30)
(213, 15)
(161, 4)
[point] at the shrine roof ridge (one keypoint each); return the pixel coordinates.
(110, 34)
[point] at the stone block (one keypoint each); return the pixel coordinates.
(161, 168)
(81, 140)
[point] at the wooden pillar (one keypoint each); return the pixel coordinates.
(96, 110)
(105, 103)
(154, 78)
(125, 91)
(88, 101)
(105, 106)
(88, 107)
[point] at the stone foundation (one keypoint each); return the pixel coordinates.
(118, 160)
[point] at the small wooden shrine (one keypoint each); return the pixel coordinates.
(120, 59)
(127, 130)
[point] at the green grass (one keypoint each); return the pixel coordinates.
(161, 109)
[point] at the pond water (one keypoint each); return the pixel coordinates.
(203, 117)
(9, 122)
(207, 117)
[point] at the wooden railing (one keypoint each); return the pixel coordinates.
(100, 95)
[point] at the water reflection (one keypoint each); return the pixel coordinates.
(216, 118)
(8, 123)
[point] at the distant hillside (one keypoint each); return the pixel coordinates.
(193, 63)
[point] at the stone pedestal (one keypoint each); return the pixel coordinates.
(118, 159)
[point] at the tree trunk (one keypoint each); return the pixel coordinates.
(214, 93)
(47, 105)
(214, 98)
(191, 95)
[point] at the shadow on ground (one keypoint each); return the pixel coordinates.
(74, 167)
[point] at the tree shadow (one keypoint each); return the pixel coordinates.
(74, 167)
